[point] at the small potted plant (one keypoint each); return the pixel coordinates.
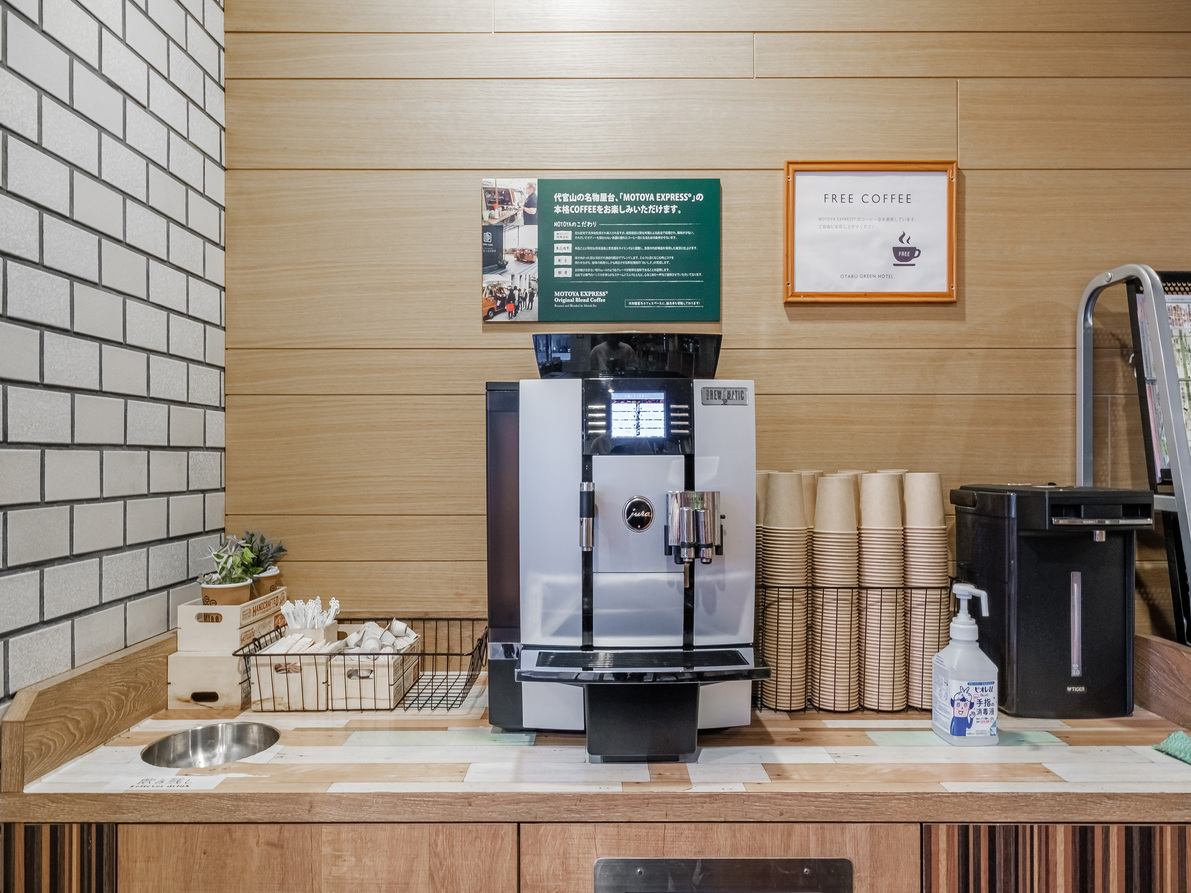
(266, 554)
(231, 581)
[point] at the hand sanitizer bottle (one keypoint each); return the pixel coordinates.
(965, 680)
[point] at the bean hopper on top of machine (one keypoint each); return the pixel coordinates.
(621, 513)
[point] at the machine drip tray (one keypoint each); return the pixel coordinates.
(640, 660)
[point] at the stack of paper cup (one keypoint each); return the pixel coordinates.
(927, 578)
(882, 559)
(783, 644)
(785, 536)
(833, 661)
(882, 617)
(835, 544)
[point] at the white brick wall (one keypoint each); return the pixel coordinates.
(111, 346)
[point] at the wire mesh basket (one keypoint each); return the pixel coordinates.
(438, 671)
(842, 648)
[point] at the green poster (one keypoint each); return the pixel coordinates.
(620, 251)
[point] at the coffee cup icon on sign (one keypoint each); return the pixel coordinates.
(905, 254)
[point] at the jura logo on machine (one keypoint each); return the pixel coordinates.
(638, 513)
(722, 396)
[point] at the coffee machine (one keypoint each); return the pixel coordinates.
(621, 538)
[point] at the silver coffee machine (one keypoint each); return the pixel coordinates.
(621, 512)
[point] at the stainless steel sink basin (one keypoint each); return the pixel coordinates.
(222, 742)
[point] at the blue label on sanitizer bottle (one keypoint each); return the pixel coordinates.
(972, 707)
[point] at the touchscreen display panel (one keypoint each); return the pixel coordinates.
(639, 414)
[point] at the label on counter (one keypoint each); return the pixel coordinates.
(972, 706)
(168, 783)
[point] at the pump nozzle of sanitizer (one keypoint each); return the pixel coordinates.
(963, 626)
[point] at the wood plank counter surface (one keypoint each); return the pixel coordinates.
(451, 766)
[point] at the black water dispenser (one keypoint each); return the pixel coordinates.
(1057, 563)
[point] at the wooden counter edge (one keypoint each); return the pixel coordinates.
(814, 807)
(63, 717)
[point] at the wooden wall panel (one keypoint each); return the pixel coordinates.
(381, 259)
(359, 15)
(973, 55)
(561, 858)
(709, 123)
(355, 455)
(826, 370)
(422, 56)
(811, 15)
(357, 135)
(1068, 123)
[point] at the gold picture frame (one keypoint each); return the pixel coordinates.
(846, 227)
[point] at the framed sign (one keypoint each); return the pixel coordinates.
(613, 251)
(860, 232)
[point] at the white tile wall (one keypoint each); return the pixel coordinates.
(98, 419)
(18, 105)
(146, 520)
(125, 574)
(20, 232)
(111, 346)
(98, 634)
(70, 362)
(186, 426)
(167, 379)
(38, 176)
(34, 655)
(98, 206)
(148, 423)
(36, 416)
(124, 371)
(20, 352)
(20, 477)
(147, 617)
(20, 600)
(98, 526)
(34, 535)
(70, 248)
(71, 475)
(125, 473)
(98, 313)
(167, 471)
(146, 134)
(66, 22)
(32, 55)
(125, 68)
(69, 136)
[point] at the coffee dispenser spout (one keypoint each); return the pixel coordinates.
(693, 528)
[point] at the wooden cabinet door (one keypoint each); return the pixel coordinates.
(352, 858)
(886, 858)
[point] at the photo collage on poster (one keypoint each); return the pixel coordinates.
(509, 221)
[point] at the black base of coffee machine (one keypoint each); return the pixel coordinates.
(1057, 564)
(629, 722)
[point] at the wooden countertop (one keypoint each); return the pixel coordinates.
(450, 765)
(71, 753)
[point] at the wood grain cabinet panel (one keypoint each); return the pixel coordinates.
(1024, 858)
(340, 858)
(561, 858)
